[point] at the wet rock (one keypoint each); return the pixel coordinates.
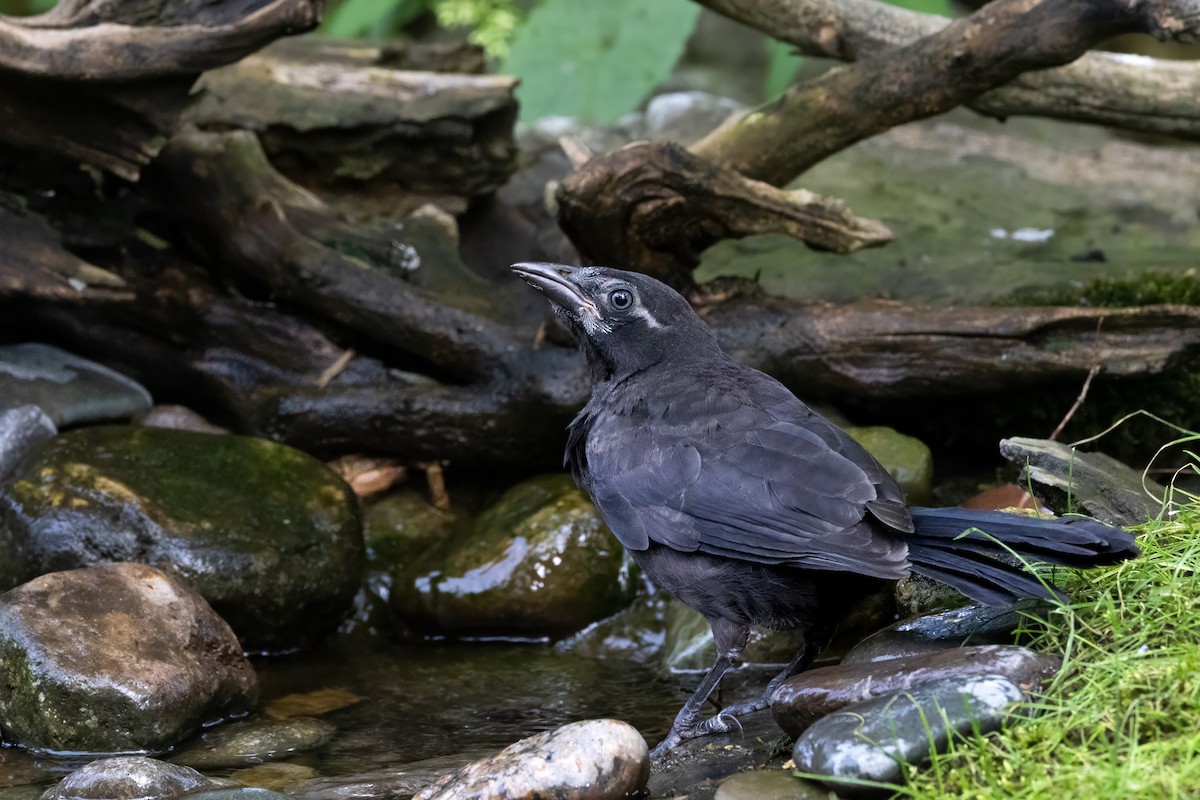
(404, 526)
(115, 657)
(127, 778)
(69, 389)
(540, 562)
(636, 633)
(601, 758)
(382, 784)
(769, 784)
(237, 793)
(807, 697)
(269, 536)
(179, 418)
(876, 739)
(278, 777)
(973, 624)
(253, 742)
(1067, 479)
(699, 766)
(916, 595)
(21, 429)
(907, 458)
(689, 644)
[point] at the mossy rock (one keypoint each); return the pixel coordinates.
(539, 563)
(268, 535)
(404, 526)
(908, 459)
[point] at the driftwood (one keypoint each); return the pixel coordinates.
(936, 73)
(1131, 92)
(334, 116)
(655, 207)
(104, 83)
(229, 285)
(780, 140)
(475, 383)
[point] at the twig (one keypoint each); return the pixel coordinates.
(335, 369)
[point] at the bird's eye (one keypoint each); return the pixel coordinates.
(621, 299)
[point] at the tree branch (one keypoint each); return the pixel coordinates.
(654, 207)
(931, 75)
(1131, 92)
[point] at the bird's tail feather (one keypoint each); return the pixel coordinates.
(960, 547)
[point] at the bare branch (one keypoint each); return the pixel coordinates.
(1131, 92)
(654, 207)
(931, 75)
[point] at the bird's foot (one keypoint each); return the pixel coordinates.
(723, 721)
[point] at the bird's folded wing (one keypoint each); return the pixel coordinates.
(753, 487)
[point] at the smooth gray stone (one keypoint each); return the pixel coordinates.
(70, 389)
(237, 793)
(875, 739)
(1110, 491)
(589, 760)
(805, 698)
(769, 784)
(973, 624)
(21, 429)
(127, 778)
(254, 742)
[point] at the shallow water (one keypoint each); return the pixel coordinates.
(443, 698)
(427, 700)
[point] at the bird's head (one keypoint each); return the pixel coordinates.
(624, 321)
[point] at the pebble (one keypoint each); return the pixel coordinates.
(769, 784)
(253, 742)
(974, 624)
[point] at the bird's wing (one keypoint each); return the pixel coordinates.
(748, 472)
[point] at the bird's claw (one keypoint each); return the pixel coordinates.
(719, 723)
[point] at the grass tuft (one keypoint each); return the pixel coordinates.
(1122, 719)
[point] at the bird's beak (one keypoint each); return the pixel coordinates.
(555, 281)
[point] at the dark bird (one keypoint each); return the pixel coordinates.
(749, 506)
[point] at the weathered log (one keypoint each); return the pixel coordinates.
(398, 54)
(1131, 92)
(654, 207)
(104, 83)
(334, 116)
(970, 56)
(254, 220)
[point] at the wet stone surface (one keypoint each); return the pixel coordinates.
(180, 418)
(71, 390)
(907, 458)
(21, 430)
(66, 641)
(808, 697)
(769, 784)
(253, 742)
(539, 563)
(127, 778)
(592, 759)
(973, 625)
(237, 793)
(268, 535)
(875, 739)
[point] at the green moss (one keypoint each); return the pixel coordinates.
(1150, 288)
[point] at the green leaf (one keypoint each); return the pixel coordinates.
(596, 60)
(940, 7)
(374, 18)
(782, 63)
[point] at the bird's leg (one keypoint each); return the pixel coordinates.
(815, 640)
(730, 639)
